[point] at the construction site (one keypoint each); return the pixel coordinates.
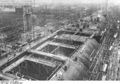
(43, 43)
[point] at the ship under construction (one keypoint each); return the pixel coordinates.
(77, 52)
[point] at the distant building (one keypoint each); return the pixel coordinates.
(7, 9)
(19, 10)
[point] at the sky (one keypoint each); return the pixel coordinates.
(79, 1)
(64, 1)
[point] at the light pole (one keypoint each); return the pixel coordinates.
(107, 7)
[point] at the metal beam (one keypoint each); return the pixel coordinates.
(41, 46)
(13, 65)
(44, 62)
(7, 76)
(46, 38)
(49, 55)
(61, 45)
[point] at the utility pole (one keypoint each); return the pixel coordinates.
(106, 7)
(33, 26)
(106, 12)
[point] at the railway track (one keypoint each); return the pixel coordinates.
(102, 56)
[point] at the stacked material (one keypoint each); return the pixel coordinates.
(73, 37)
